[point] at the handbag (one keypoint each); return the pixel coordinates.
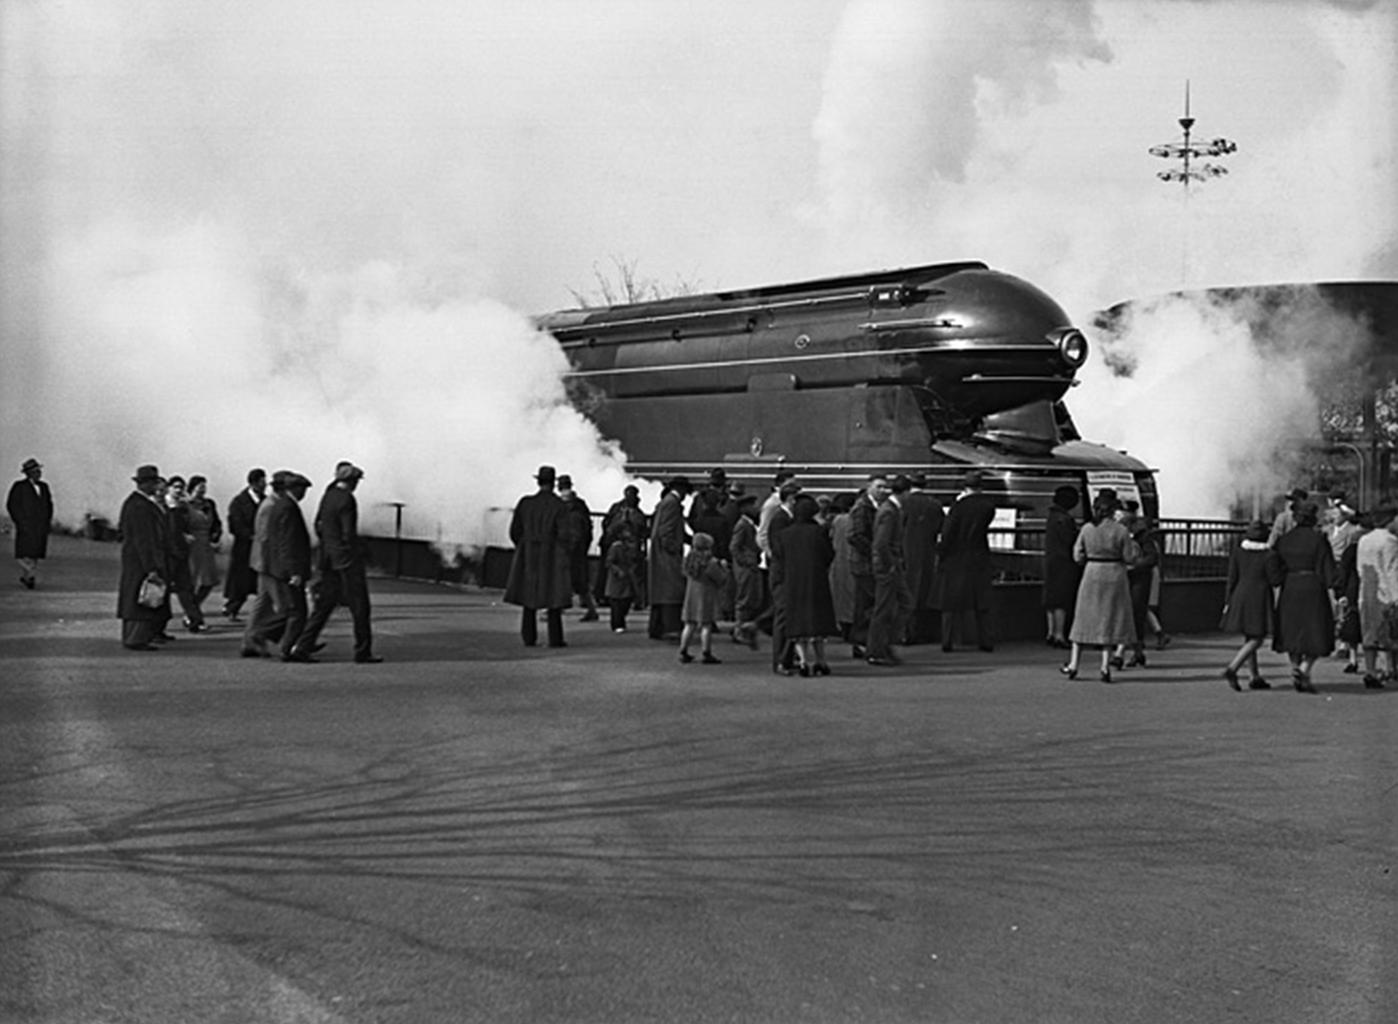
(152, 592)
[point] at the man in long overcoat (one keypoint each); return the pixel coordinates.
(144, 555)
(964, 582)
(30, 505)
(242, 510)
(922, 526)
(540, 575)
(665, 579)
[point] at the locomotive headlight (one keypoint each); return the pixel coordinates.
(1073, 346)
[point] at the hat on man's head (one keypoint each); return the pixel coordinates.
(31, 464)
(565, 482)
(347, 471)
(899, 484)
(545, 475)
(282, 477)
(293, 479)
(144, 474)
(1256, 532)
(1298, 494)
(718, 475)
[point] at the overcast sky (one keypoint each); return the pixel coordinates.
(244, 177)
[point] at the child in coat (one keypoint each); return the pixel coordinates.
(620, 563)
(705, 578)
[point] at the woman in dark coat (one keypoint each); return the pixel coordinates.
(1249, 603)
(801, 557)
(1302, 564)
(1102, 616)
(1061, 573)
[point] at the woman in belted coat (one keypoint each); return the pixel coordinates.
(1102, 616)
(1302, 564)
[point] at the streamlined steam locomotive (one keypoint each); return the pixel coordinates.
(932, 370)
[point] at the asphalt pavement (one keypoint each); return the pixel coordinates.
(475, 831)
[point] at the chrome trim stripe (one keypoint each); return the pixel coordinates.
(769, 360)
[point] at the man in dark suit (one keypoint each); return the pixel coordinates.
(30, 505)
(922, 525)
(288, 563)
(964, 582)
(892, 599)
(540, 576)
(342, 569)
(144, 556)
(242, 510)
(861, 564)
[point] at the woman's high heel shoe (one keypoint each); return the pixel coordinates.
(1231, 674)
(1116, 662)
(1069, 670)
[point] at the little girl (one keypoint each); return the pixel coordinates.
(705, 578)
(621, 576)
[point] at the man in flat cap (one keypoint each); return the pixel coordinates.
(144, 556)
(342, 569)
(580, 540)
(539, 574)
(30, 505)
(287, 564)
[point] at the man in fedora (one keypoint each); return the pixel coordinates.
(342, 569)
(1286, 518)
(539, 573)
(30, 505)
(144, 556)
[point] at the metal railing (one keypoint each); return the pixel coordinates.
(1190, 549)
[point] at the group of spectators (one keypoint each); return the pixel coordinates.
(170, 529)
(879, 568)
(1318, 576)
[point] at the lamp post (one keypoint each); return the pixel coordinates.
(397, 536)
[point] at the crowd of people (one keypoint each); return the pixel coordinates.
(877, 569)
(170, 529)
(1315, 579)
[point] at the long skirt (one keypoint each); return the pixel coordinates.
(1103, 614)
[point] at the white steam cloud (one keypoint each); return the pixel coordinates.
(1017, 134)
(187, 351)
(254, 233)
